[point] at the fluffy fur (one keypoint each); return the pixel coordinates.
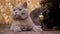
(21, 20)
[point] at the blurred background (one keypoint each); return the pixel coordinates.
(5, 8)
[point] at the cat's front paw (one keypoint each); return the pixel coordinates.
(37, 29)
(15, 29)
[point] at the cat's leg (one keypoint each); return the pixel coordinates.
(15, 29)
(37, 29)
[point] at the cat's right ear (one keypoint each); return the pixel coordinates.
(13, 5)
(12, 8)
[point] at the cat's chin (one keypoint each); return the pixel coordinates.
(19, 18)
(23, 18)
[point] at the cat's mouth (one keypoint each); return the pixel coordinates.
(20, 16)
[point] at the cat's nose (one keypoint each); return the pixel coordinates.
(22, 13)
(15, 12)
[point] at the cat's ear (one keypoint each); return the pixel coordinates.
(13, 5)
(25, 4)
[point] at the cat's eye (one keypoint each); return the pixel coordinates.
(14, 10)
(20, 9)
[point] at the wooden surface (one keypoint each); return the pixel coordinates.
(7, 31)
(4, 29)
(51, 32)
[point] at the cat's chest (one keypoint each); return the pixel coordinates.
(19, 22)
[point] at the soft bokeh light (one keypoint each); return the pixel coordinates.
(6, 5)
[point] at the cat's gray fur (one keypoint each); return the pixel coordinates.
(21, 20)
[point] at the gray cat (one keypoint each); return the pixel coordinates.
(21, 20)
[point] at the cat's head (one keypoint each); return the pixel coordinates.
(19, 11)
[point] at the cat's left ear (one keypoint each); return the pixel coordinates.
(25, 4)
